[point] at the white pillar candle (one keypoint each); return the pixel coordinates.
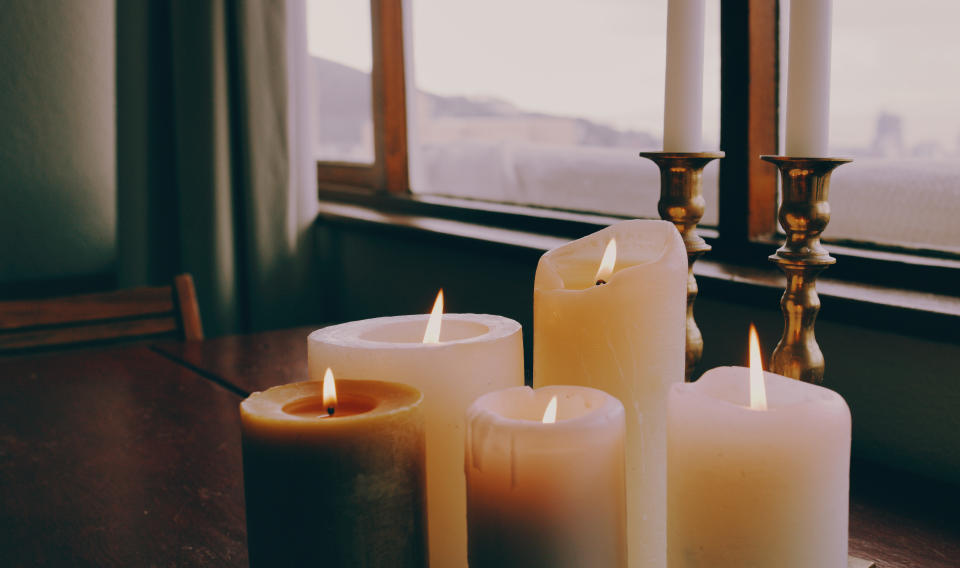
(626, 337)
(683, 100)
(757, 487)
(808, 78)
(476, 354)
(546, 494)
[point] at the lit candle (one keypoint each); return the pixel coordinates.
(808, 78)
(620, 326)
(759, 469)
(470, 355)
(329, 470)
(683, 100)
(545, 479)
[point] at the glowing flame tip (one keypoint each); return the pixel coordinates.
(608, 262)
(432, 335)
(550, 414)
(758, 390)
(329, 390)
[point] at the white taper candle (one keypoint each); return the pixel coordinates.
(808, 78)
(683, 98)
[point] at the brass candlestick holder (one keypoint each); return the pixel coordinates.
(804, 214)
(681, 202)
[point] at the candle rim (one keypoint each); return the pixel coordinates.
(775, 402)
(549, 277)
(350, 401)
(350, 333)
(608, 409)
(261, 405)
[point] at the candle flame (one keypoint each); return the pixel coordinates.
(550, 414)
(432, 335)
(329, 391)
(608, 262)
(758, 391)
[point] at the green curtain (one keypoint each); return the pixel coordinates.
(204, 159)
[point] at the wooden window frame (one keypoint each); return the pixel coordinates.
(747, 230)
(388, 173)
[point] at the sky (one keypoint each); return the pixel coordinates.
(604, 59)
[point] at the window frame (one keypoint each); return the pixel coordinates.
(747, 229)
(388, 173)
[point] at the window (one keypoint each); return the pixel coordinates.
(894, 109)
(548, 107)
(341, 59)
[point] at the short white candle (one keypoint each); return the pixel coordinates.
(476, 354)
(757, 487)
(808, 78)
(683, 92)
(542, 494)
(626, 337)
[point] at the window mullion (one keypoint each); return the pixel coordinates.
(748, 127)
(389, 95)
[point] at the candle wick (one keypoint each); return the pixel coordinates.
(331, 410)
(601, 281)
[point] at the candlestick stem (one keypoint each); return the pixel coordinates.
(681, 202)
(804, 213)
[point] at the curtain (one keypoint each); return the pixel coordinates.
(209, 178)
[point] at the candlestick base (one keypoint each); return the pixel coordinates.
(804, 214)
(681, 202)
(854, 562)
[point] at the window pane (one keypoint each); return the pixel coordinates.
(547, 102)
(895, 90)
(338, 36)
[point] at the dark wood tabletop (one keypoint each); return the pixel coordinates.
(117, 457)
(130, 456)
(246, 363)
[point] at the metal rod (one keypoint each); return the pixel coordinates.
(804, 213)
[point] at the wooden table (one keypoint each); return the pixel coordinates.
(117, 457)
(130, 456)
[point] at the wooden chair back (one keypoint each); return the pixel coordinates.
(134, 313)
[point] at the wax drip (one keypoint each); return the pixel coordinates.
(513, 462)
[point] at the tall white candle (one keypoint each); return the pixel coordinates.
(476, 354)
(546, 494)
(683, 99)
(808, 78)
(757, 487)
(626, 337)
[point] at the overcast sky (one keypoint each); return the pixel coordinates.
(604, 59)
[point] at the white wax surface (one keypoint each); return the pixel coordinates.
(626, 337)
(546, 494)
(683, 93)
(808, 78)
(753, 487)
(477, 354)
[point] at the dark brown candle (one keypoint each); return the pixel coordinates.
(340, 489)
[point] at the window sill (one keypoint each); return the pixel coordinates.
(909, 312)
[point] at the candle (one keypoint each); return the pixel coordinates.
(757, 480)
(335, 481)
(620, 327)
(475, 354)
(683, 100)
(545, 479)
(808, 78)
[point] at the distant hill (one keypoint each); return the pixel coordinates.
(345, 103)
